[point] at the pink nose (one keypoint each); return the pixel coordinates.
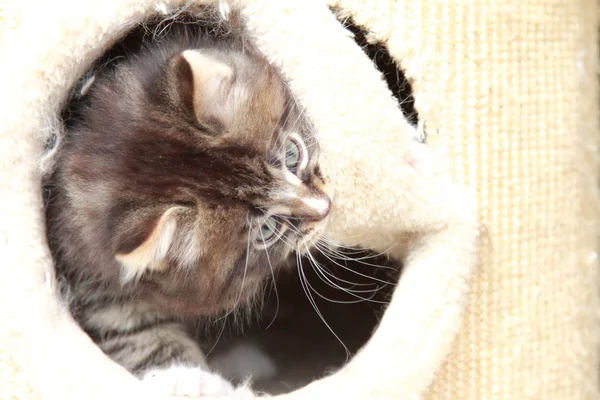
(327, 208)
(316, 208)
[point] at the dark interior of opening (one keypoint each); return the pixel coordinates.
(303, 339)
(393, 75)
(292, 334)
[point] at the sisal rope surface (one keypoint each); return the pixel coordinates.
(508, 92)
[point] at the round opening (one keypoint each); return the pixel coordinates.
(311, 322)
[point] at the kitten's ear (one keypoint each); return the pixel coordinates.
(205, 86)
(145, 242)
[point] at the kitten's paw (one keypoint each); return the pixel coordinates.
(186, 381)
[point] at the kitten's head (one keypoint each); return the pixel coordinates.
(195, 173)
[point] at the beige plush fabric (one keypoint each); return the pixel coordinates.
(508, 94)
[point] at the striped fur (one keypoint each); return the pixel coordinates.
(172, 162)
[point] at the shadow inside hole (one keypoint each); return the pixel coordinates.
(291, 335)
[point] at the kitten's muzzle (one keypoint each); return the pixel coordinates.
(312, 209)
(320, 209)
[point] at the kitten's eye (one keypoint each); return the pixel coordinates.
(267, 233)
(293, 155)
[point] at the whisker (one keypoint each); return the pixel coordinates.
(338, 278)
(301, 114)
(282, 237)
(351, 293)
(346, 249)
(348, 255)
(220, 333)
(274, 282)
(334, 243)
(353, 284)
(358, 273)
(360, 300)
(249, 222)
(310, 298)
(342, 256)
(374, 255)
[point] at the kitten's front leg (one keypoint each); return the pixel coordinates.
(166, 359)
(158, 351)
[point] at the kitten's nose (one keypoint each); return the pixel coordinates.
(316, 208)
(305, 203)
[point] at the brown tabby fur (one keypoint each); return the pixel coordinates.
(151, 151)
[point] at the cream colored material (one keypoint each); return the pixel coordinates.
(507, 92)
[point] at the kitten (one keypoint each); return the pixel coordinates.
(188, 179)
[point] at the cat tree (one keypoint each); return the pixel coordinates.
(507, 91)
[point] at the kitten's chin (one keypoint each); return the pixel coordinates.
(309, 240)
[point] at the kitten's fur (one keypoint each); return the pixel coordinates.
(155, 209)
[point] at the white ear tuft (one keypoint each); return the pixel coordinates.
(152, 252)
(211, 87)
(206, 68)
